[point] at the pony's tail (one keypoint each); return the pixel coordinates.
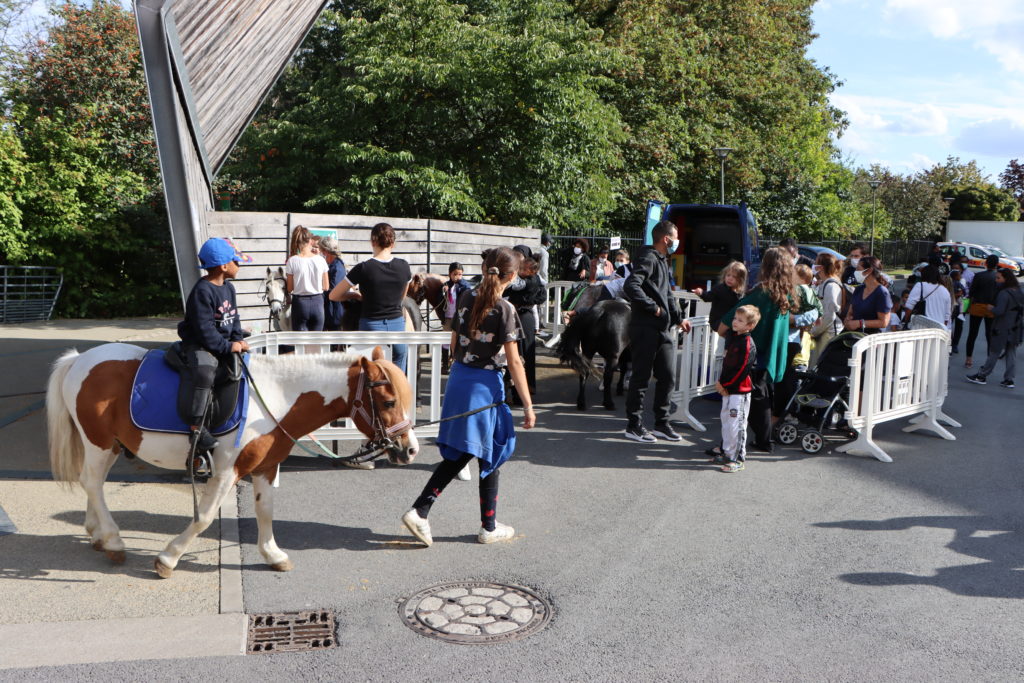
(569, 350)
(67, 452)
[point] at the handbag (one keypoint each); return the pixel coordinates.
(919, 307)
(980, 310)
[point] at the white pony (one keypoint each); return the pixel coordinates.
(276, 296)
(89, 422)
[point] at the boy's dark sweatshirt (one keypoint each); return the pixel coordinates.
(722, 299)
(211, 318)
(740, 356)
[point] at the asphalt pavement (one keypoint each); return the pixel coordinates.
(659, 567)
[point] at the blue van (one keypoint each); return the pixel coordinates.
(710, 236)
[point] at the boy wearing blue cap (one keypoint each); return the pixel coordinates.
(210, 332)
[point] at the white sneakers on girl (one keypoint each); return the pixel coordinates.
(464, 474)
(502, 532)
(419, 527)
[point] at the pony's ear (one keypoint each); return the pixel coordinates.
(364, 364)
(280, 271)
(378, 353)
(268, 271)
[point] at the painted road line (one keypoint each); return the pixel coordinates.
(18, 414)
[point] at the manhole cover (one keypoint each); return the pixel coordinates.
(291, 631)
(476, 612)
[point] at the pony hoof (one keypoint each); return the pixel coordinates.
(162, 569)
(283, 566)
(116, 556)
(97, 545)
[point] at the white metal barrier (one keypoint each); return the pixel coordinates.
(894, 375)
(551, 311)
(697, 365)
(363, 342)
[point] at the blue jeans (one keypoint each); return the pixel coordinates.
(398, 351)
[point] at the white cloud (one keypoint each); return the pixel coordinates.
(994, 25)
(890, 115)
(994, 137)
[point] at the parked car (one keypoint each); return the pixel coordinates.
(812, 251)
(975, 255)
(1019, 260)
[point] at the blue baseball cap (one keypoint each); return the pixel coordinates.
(218, 251)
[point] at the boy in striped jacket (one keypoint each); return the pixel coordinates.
(734, 385)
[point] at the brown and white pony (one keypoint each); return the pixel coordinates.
(88, 421)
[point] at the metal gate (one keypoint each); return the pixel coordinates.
(29, 292)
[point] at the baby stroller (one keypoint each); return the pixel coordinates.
(819, 401)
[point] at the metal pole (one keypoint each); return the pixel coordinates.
(874, 191)
(722, 174)
(428, 245)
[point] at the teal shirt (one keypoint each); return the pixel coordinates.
(771, 334)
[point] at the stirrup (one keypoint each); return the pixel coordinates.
(202, 465)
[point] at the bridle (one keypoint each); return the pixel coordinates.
(383, 438)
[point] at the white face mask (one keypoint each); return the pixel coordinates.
(854, 260)
(860, 276)
(796, 260)
(815, 269)
(619, 263)
(673, 246)
(577, 250)
(602, 259)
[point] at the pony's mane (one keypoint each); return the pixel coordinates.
(295, 361)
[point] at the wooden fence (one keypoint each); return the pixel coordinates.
(421, 242)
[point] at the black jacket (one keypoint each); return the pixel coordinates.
(722, 299)
(648, 289)
(534, 293)
(983, 288)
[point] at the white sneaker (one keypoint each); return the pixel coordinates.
(359, 465)
(464, 474)
(502, 532)
(419, 527)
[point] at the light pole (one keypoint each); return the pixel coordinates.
(874, 183)
(949, 204)
(722, 153)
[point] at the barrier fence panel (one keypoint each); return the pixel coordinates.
(895, 375)
(363, 343)
(697, 364)
(551, 311)
(28, 293)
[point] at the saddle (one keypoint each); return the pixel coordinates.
(157, 404)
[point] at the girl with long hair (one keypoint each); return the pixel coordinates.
(485, 339)
(306, 274)
(1007, 329)
(831, 293)
(723, 297)
(775, 296)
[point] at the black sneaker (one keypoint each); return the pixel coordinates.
(665, 431)
(639, 434)
(204, 441)
(1007, 383)
(976, 379)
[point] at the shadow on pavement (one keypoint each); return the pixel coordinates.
(987, 538)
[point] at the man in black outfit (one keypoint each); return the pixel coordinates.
(983, 291)
(654, 313)
(789, 244)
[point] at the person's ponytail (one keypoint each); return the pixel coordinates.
(498, 264)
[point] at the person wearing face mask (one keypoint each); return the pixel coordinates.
(620, 259)
(870, 304)
(789, 244)
(578, 267)
(602, 268)
(856, 252)
(654, 313)
(544, 258)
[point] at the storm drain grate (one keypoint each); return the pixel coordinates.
(291, 631)
(476, 612)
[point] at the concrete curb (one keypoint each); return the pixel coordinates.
(113, 640)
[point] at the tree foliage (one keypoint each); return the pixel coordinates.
(486, 111)
(79, 188)
(1012, 179)
(983, 203)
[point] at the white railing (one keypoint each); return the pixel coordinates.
(697, 365)
(895, 375)
(363, 343)
(690, 305)
(551, 311)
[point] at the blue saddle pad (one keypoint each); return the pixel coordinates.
(155, 398)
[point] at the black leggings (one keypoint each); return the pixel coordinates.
(972, 332)
(443, 475)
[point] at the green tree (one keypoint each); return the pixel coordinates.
(984, 203)
(490, 111)
(954, 174)
(1012, 179)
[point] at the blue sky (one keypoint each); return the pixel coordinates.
(924, 79)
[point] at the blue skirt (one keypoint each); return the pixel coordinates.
(489, 435)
